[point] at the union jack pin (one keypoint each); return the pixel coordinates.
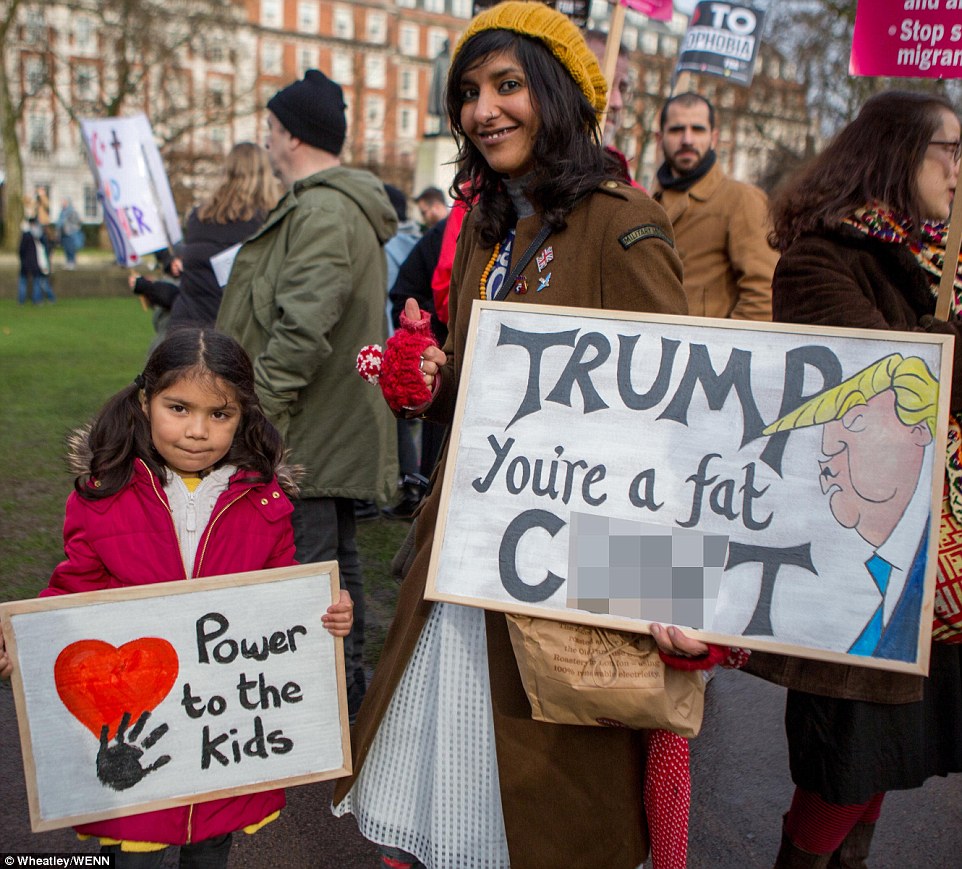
(544, 258)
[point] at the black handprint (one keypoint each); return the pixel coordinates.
(118, 766)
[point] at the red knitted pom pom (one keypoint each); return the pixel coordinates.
(369, 362)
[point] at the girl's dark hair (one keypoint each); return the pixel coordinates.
(121, 431)
(876, 157)
(569, 161)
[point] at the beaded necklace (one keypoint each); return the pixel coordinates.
(483, 288)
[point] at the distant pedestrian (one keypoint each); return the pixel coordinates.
(34, 263)
(432, 205)
(70, 232)
(234, 212)
(185, 446)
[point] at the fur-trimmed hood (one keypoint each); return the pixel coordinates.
(79, 456)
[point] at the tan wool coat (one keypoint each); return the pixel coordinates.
(721, 234)
(572, 796)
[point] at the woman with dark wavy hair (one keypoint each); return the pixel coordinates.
(862, 234)
(450, 768)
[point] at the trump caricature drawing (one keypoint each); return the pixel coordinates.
(877, 436)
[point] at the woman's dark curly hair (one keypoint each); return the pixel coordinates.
(569, 160)
(876, 157)
(120, 433)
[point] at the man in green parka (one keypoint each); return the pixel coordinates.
(306, 292)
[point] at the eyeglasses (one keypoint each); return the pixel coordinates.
(953, 148)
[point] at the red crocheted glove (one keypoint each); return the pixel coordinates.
(714, 655)
(398, 370)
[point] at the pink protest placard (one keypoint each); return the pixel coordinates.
(660, 10)
(908, 38)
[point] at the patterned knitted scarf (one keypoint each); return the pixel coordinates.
(929, 252)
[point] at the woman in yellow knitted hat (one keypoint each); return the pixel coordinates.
(450, 769)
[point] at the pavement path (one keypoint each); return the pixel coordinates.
(740, 790)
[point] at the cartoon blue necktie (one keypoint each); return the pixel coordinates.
(881, 572)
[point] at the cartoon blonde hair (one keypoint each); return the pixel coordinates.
(916, 395)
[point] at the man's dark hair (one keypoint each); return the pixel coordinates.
(398, 200)
(431, 195)
(689, 98)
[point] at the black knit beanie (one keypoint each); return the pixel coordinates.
(312, 110)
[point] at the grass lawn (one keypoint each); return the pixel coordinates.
(58, 364)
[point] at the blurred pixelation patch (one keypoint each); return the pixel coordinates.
(639, 570)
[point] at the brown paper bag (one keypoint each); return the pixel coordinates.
(575, 674)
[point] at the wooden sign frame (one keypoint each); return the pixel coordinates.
(478, 505)
(231, 604)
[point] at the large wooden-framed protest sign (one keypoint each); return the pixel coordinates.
(143, 698)
(139, 210)
(761, 485)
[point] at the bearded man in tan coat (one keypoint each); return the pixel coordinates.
(721, 225)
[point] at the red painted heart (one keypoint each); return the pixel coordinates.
(99, 682)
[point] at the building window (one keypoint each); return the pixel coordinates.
(90, 202)
(215, 53)
(272, 13)
(374, 113)
(437, 36)
(35, 26)
(434, 5)
(85, 81)
(218, 95)
(409, 39)
(376, 27)
(374, 153)
(307, 16)
(342, 67)
(271, 54)
(83, 32)
(408, 83)
(407, 4)
(649, 42)
(218, 138)
(35, 74)
(630, 38)
(462, 8)
(407, 123)
(375, 71)
(344, 22)
(309, 58)
(38, 135)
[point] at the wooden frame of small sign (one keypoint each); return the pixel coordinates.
(231, 685)
(619, 469)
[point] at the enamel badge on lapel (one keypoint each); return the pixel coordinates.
(521, 285)
(543, 282)
(544, 258)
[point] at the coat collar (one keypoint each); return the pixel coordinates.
(675, 202)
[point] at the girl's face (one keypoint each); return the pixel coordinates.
(939, 172)
(193, 422)
(497, 114)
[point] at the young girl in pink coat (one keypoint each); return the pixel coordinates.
(178, 478)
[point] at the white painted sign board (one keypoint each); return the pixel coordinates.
(618, 469)
(240, 688)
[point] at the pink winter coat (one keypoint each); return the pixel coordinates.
(129, 539)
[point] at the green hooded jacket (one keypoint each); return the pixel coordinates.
(306, 292)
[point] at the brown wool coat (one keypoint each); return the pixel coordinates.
(847, 279)
(721, 234)
(572, 796)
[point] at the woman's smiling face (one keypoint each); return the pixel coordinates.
(497, 114)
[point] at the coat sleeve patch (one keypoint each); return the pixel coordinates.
(640, 233)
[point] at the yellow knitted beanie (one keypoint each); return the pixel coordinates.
(559, 36)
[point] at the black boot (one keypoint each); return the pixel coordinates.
(413, 489)
(790, 856)
(853, 852)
